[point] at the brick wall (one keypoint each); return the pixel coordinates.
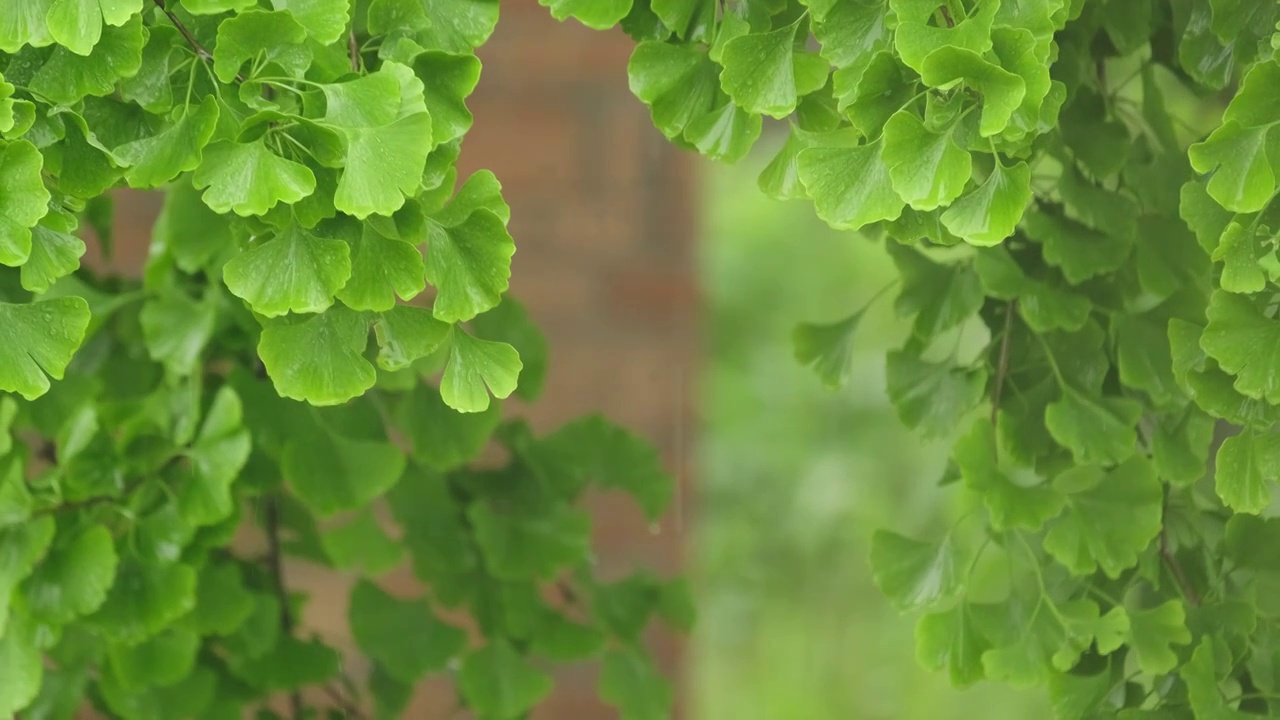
(602, 217)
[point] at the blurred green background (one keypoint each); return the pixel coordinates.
(795, 477)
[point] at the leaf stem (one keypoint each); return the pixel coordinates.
(271, 523)
(1175, 568)
(353, 50)
(1002, 362)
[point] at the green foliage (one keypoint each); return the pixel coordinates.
(1050, 163)
(1026, 149)
(277, 370)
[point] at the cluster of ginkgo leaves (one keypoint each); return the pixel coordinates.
(1087, 188)
(320, 335)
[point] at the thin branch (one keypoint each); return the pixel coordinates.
(353, 50)
(200, 49)
(1002, 363)
(1170, 561)
(346, 706)
(271, 522)
(946, 16)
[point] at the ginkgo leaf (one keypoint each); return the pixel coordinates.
(1015, 496)
(469, 264)
(217, 456)
(67, 77)
(915, 574)
(73, 580)
(1044, 304)
(443, 438)
(262, 35)
(156, 160)
(223, 603)
(1079, 251)
(249, 179)
(595, 14)
(384, 165)
(940, 295)
(1245, 341)
(406, 334)
(21, 663)
(318, 359)
(630, 682)
(176, 329)
(1110, 516)
(828, 348)
(677, 82)
(927, 168)
(780, 179)
(77, 24)
(1245, 178)
(145, 598)
(1241, 251)
(1095, 429)
(915, 40)
(294, 271)
(725, 134)
(951, 640)
(324, 20)
(477, 368)
(24, 22)
(23, 200)
(332, 473)
(382, 269)
(870, 98)
(850, 186)
(761, 72)
(1153, 632)
(404, 636)
(520, 545)
(481, 191)
(55, 253)
(1002, 91)
(37, 341)
(1247, 464)
(214, 7)
(361, 545)
(387, 131)
(989, 213)
(851, 33)
(448, 79)
(932, 397)
(497, 682)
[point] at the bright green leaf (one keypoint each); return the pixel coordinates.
(318, 359)
(403, 636)
(1110, 518)
(915, 574)
(38, 339)
(477, 368)
(989, 213)
(496, 682)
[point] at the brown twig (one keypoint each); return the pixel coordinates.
(271, 523)
(346, 706)
(200, 50)
(946, 16)
(353, 49)
(195, 44)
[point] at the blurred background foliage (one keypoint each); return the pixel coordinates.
(794, 477)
